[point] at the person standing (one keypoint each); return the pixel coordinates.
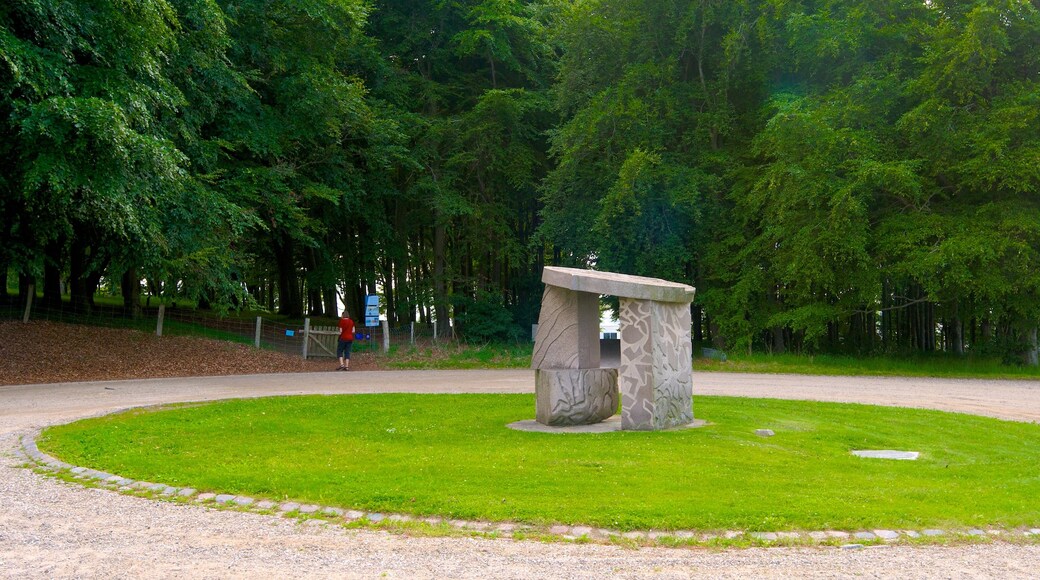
(346, 341)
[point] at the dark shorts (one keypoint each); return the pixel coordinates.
(343, 349)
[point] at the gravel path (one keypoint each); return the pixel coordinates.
(53, 529)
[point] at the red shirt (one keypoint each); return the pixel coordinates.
(346, 329)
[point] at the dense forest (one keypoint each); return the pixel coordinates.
(832, 175)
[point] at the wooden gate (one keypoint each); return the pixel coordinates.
(320, 341)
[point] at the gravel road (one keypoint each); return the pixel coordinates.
(53, 529)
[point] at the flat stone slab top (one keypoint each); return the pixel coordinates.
(610, 425)
(620, 285)
(886, 454)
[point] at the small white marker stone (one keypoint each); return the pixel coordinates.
(886, 454)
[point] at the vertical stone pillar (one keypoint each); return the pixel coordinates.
(568, 330)
(570, 388)
(656, 373)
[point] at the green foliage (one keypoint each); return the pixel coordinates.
(883, 183)
(832, 175)
(647, 219)
(485, 319)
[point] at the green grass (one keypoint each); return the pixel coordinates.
(451, 455)
(460, 356)
(178, 328)
(938, 365)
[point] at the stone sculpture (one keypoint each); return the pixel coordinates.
(655, 373)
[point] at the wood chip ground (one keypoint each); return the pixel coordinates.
(50, 352)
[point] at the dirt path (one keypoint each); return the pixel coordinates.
(53, 529)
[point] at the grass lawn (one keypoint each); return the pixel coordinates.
(460, 356)
(451, 455)
(938, 365)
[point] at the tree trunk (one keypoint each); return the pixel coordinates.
(52, 265)
(956, 336)
(316, 306)
(270, 294)
(4, 298)
(78, 276)
(290, 301)
(24, 282)
(1031, 357)
(698, 326)
(94, 282)
(778, 340)
(331, 307)
(131, 290)
(440, 295)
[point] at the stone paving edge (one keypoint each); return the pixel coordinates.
(320, 514)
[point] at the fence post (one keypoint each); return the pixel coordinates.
(411, 334)
(256, 337)
(306, 336)
(435, 330)
(386, 336)
(158, 323)
(28, 302)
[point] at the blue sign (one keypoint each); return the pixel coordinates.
(372, 310)
(290, 333)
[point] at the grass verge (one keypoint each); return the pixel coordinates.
(452, 456)
(460, 356)
(938, 365)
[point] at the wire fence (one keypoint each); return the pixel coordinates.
(311, 338)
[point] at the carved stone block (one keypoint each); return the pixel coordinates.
(568, 330)
(575, 396)
(656, 379)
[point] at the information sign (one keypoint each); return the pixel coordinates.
(372, 310)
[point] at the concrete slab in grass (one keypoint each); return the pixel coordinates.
(886, 454)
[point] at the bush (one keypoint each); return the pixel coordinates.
(484, 319)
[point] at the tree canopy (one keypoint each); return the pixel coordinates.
(832, 175)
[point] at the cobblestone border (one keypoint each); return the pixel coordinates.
(29, 452)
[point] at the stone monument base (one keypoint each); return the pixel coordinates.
(610, 425)
(575, 396)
